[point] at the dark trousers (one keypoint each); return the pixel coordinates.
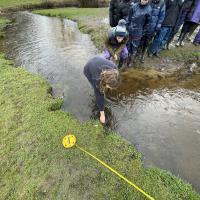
(188, 26)
(133, 45)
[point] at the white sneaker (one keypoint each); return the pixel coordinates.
(177, 44)
(182, 44)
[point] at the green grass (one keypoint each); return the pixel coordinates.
(3, 23)
(15, 4)
(18, 3)
(89, 21)
(34, 165)
(187, 53)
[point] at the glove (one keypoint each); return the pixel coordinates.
(158, 27)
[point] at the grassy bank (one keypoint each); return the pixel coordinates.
(34, 165)
(13, 5)
(3, 23)
(16, 4)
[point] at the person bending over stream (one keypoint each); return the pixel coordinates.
(102, 75)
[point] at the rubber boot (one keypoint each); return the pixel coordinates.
(144, 50)
(120, 64)
(130, 61)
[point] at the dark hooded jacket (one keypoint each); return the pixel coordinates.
(173, 8)
(123, 9)
(113, 12)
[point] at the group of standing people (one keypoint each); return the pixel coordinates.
(139, 27)
(150, 26)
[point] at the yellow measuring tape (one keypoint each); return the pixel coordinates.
(70, 141)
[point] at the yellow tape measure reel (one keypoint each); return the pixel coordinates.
(69, 141)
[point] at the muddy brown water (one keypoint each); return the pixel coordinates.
(163, 123)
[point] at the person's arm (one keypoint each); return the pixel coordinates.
(160, 18)
(100, 103)
(111, 8)
(148, 25)
(108, 46)
(129, 16)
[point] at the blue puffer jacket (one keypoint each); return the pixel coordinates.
(158, 14)
(139, 19)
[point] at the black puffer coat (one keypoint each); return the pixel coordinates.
(173, 8)
(113, 12)
(124, 8)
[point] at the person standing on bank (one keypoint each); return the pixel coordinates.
(102, 75)
(139, 20)
(113, 12)
(158, 15)
(192, 21)
(185, 9)
(173, 8)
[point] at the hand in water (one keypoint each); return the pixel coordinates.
(102, 117)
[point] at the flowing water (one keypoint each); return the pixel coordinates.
(163, 123)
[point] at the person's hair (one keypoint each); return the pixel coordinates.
(109, 77)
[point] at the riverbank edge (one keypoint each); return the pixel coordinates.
(169, 186)
(47, 5)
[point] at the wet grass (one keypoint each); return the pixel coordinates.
(187, 53)
(3, 23)
(34, 165)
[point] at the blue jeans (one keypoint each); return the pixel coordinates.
(160, 40)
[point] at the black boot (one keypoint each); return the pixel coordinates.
(142, 58)
(129, 60)
(143, 54)
(120, 64)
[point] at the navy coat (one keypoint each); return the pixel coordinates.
(92, 71)
(158, 14)
(139, 20)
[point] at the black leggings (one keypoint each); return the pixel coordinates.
(188, 26)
